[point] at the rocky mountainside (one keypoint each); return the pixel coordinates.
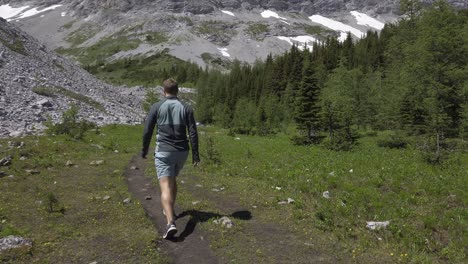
(203, 31)
(36, 83)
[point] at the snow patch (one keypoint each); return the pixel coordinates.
(63, 14)
(224, 52)
(7, 11)
(343, 36)
(365, 20)
(228, 13)
(286, 22)
(309, 40)
(269, 13)
(35, 11)
(336, 25)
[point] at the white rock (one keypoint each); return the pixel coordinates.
(377, 225)
(326, 194)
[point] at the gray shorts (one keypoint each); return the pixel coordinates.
(169, 164)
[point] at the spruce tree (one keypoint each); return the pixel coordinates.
(307, 107)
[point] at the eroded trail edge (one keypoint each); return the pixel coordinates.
(192, 248)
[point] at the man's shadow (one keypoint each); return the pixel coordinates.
(200, 217)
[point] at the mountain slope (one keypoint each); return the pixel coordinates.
(204, 31)
(36, 83)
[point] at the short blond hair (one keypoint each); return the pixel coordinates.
(170, 86)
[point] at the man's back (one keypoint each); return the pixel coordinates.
(173, 119)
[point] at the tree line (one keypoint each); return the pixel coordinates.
(411, 76)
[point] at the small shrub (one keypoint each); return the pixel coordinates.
(301, 140)
(70, 125)
(212, 153)
(393, 141)
(44, 91)
(53, 204)
(342, 140)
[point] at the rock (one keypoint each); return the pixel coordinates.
(127, 201)
(23, 158)
(15, 242)
(134, 168)
(290, 201)
(2, 174)
(377, 225)
(94, 262)
(195, 202)
(96, 162)
(6, 161)
(44, 103)
(224, 221)
(105, 198)
(32, 172)
(326, 194)
(69, 163)
(198, 185)
(148, 197)
(116, 171)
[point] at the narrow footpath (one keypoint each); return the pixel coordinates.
(189, 245)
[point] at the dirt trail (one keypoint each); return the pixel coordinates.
(189, 245)
(278, 244)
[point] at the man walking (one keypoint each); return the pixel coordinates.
(174, 119)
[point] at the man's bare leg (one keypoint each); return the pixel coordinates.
(168, 193)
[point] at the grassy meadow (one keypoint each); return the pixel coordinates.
(75, 213)
(425, 204)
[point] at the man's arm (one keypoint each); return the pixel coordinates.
(149, 128)
(193, 135)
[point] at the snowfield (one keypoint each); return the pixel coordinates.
(337, 26)
(12, 13)
(309, 40)
(269, 13)
(365, 20)
(228, 13)
(7, 12)
(224, 52)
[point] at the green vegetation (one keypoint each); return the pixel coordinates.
(156, 38)
(75, 213)
(216, 62)
(102, 50)
(150, 71)
(53, 91)
(70, 125)
(410, 77)
(318, 31)
(257, 30)
(425, 204)
(219, 32)
(85, 32)
(13, 43)
(69, 25)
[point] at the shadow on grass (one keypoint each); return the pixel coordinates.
(200, 217)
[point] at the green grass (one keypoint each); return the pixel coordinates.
(425, 204)
(318, 31)
(68, 25)
(256, 29)
(149, 71)
(53, 91)
(90, 228)
(13, 43)
(102, 50)
(79, 36)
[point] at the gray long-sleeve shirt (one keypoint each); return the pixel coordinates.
(174, 119)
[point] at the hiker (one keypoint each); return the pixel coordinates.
(174, 120)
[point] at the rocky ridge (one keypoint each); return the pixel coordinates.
(36, 84)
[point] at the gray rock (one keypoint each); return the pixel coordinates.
(69, 163)
(2, 174)
(44, 103)
(6, 161)
(12, 242)
(96, 162)
(224, 221)
(148, 197)
(134, 168)
(105, 198)
(32, 172)
(127, 201)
